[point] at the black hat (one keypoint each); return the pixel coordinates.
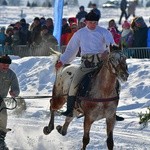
(92, 16)
(81, 7)
(5, 59)
(23, 20)
(37, 18)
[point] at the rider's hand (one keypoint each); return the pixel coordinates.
(58, 65)
(105, 55)
(12, 94)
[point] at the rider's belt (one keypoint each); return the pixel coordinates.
(91, 60)
(90, 56)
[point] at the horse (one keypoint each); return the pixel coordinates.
(102, 99)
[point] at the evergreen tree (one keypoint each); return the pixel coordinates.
(49, 4)
(34, 4)
(28, 4)
(44, 4)
(4, 3)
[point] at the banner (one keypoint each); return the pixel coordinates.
(58, 13)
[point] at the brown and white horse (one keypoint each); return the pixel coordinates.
(102, 99)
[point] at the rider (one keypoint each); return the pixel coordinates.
(94, 42)
(8, 81)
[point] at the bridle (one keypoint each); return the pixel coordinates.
(120, 63)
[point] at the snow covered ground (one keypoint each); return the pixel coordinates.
(36, 76)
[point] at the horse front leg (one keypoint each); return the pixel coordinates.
(110, 122)
(48, 129)
(63, 129)
(87, 126)
(55, 104)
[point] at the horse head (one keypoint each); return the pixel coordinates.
(118, 62)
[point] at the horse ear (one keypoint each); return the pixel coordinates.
(115, 47)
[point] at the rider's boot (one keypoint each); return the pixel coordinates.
(2, 141)
(70, 106)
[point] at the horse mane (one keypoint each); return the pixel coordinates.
(55, 53)
(115, 48)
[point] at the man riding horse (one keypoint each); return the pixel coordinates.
(94, 42)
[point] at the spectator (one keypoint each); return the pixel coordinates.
(82, 23)
(2, 40)
(123, 7)
(111, 24)
(16, 37)
(24, 32)
(126, 35)
(95, 10)
(9, 84)
(81, 14)
(17, 24)
(50, 25)
(48, 39)
(65, 38)
(8, 40)
(131, 8)
(65, 26)
(72, 20)
(140, 31)
(36, 31)
(42, 21)
(115, 35)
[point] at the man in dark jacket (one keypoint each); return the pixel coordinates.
(81, 14)
(140, 35)
(35, 31)
(123, 7)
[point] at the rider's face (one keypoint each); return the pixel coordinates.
(91, 24)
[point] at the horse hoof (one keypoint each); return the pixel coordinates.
(59, 129)
(46, 130)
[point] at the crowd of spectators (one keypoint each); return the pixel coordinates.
(40, 32)
(134, 34)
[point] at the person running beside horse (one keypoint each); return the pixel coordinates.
(9, 83)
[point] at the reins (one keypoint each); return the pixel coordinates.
(7, 107)
(99, 99)
(25, 97)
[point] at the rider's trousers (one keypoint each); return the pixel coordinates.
(3, 116)
(88, 64)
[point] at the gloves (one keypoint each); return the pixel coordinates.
(58, 65)
(12, 94)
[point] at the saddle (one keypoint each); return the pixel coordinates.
(84, 85)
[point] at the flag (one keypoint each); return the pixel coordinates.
(58, 13)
